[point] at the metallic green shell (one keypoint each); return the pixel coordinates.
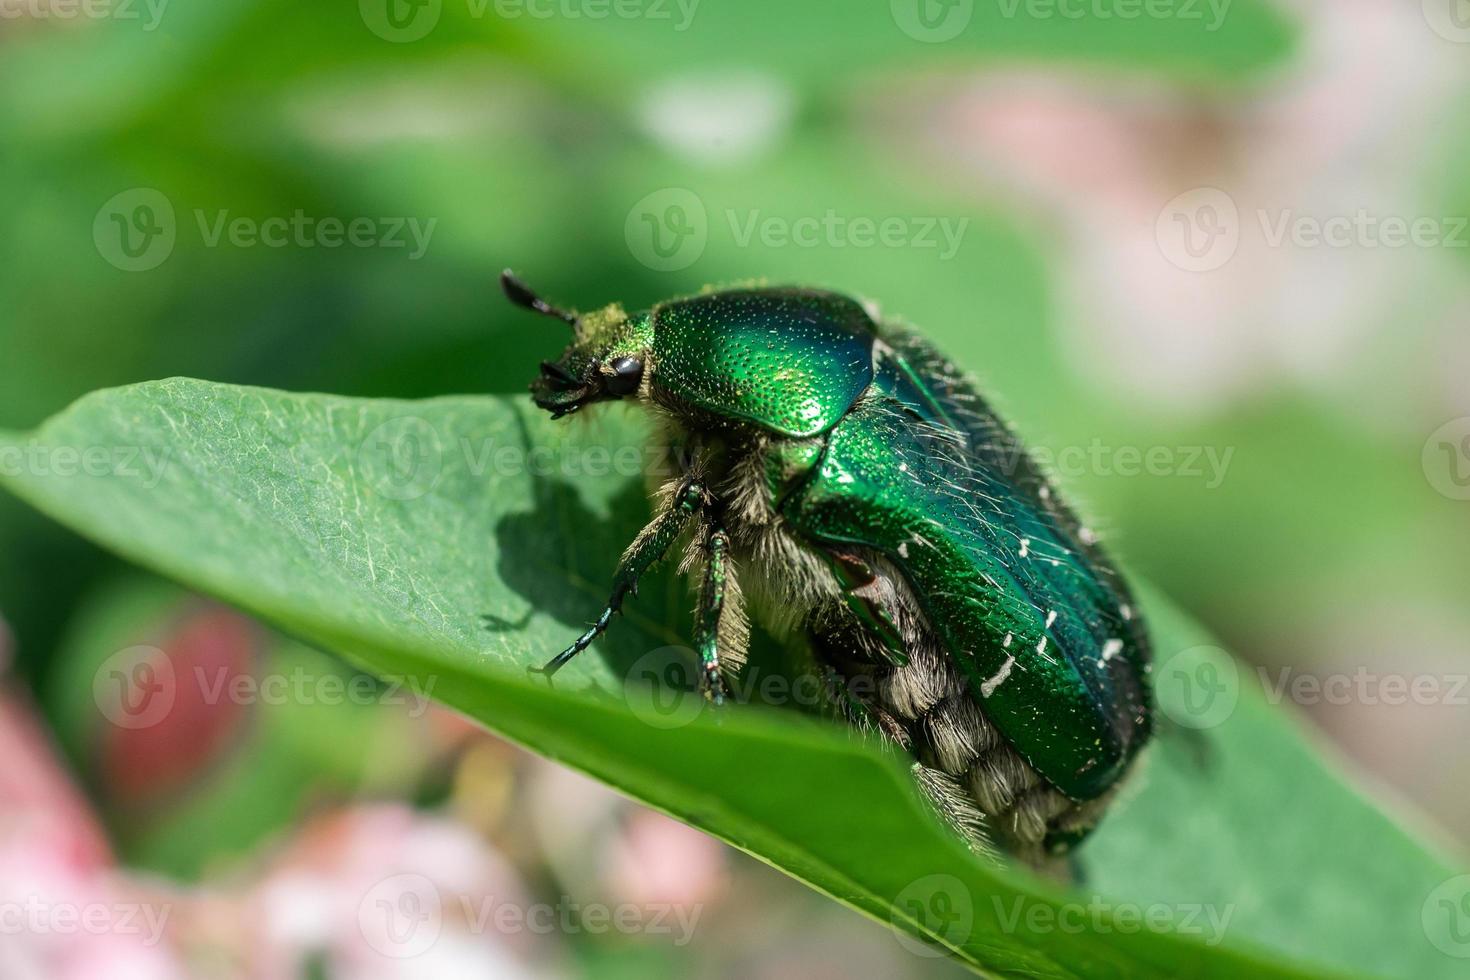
(1034, 615)
(791, 360)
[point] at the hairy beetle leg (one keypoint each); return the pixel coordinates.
(646, 551)
(585, 640)
(707, 615)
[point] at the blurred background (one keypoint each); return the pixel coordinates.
(1210, 256)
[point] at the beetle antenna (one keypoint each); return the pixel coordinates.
(524, 296)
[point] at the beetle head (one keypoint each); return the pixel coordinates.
(604, 361)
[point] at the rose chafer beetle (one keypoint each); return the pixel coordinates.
(849, 480)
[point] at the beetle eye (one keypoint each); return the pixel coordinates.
(627, 374)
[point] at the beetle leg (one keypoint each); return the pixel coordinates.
(645, 552)
(858, 580)
(944, 793)
(707, 614)
(859, 711)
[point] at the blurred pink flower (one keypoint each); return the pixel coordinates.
(140, 765)
(1116, 162)
(385, 891)
(658, 861)
(64, 912)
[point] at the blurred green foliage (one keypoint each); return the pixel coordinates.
(519, 137)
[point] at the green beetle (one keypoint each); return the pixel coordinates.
(870, 501)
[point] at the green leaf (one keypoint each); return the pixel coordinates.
(383, 530)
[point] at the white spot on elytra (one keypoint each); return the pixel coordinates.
(1051, 617)
(1110, 650)
(903, 549)
(1025, 547)
(1041, 646)
(1127, 612)
(1007, 641)
(1088, 535)
(987, 688)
